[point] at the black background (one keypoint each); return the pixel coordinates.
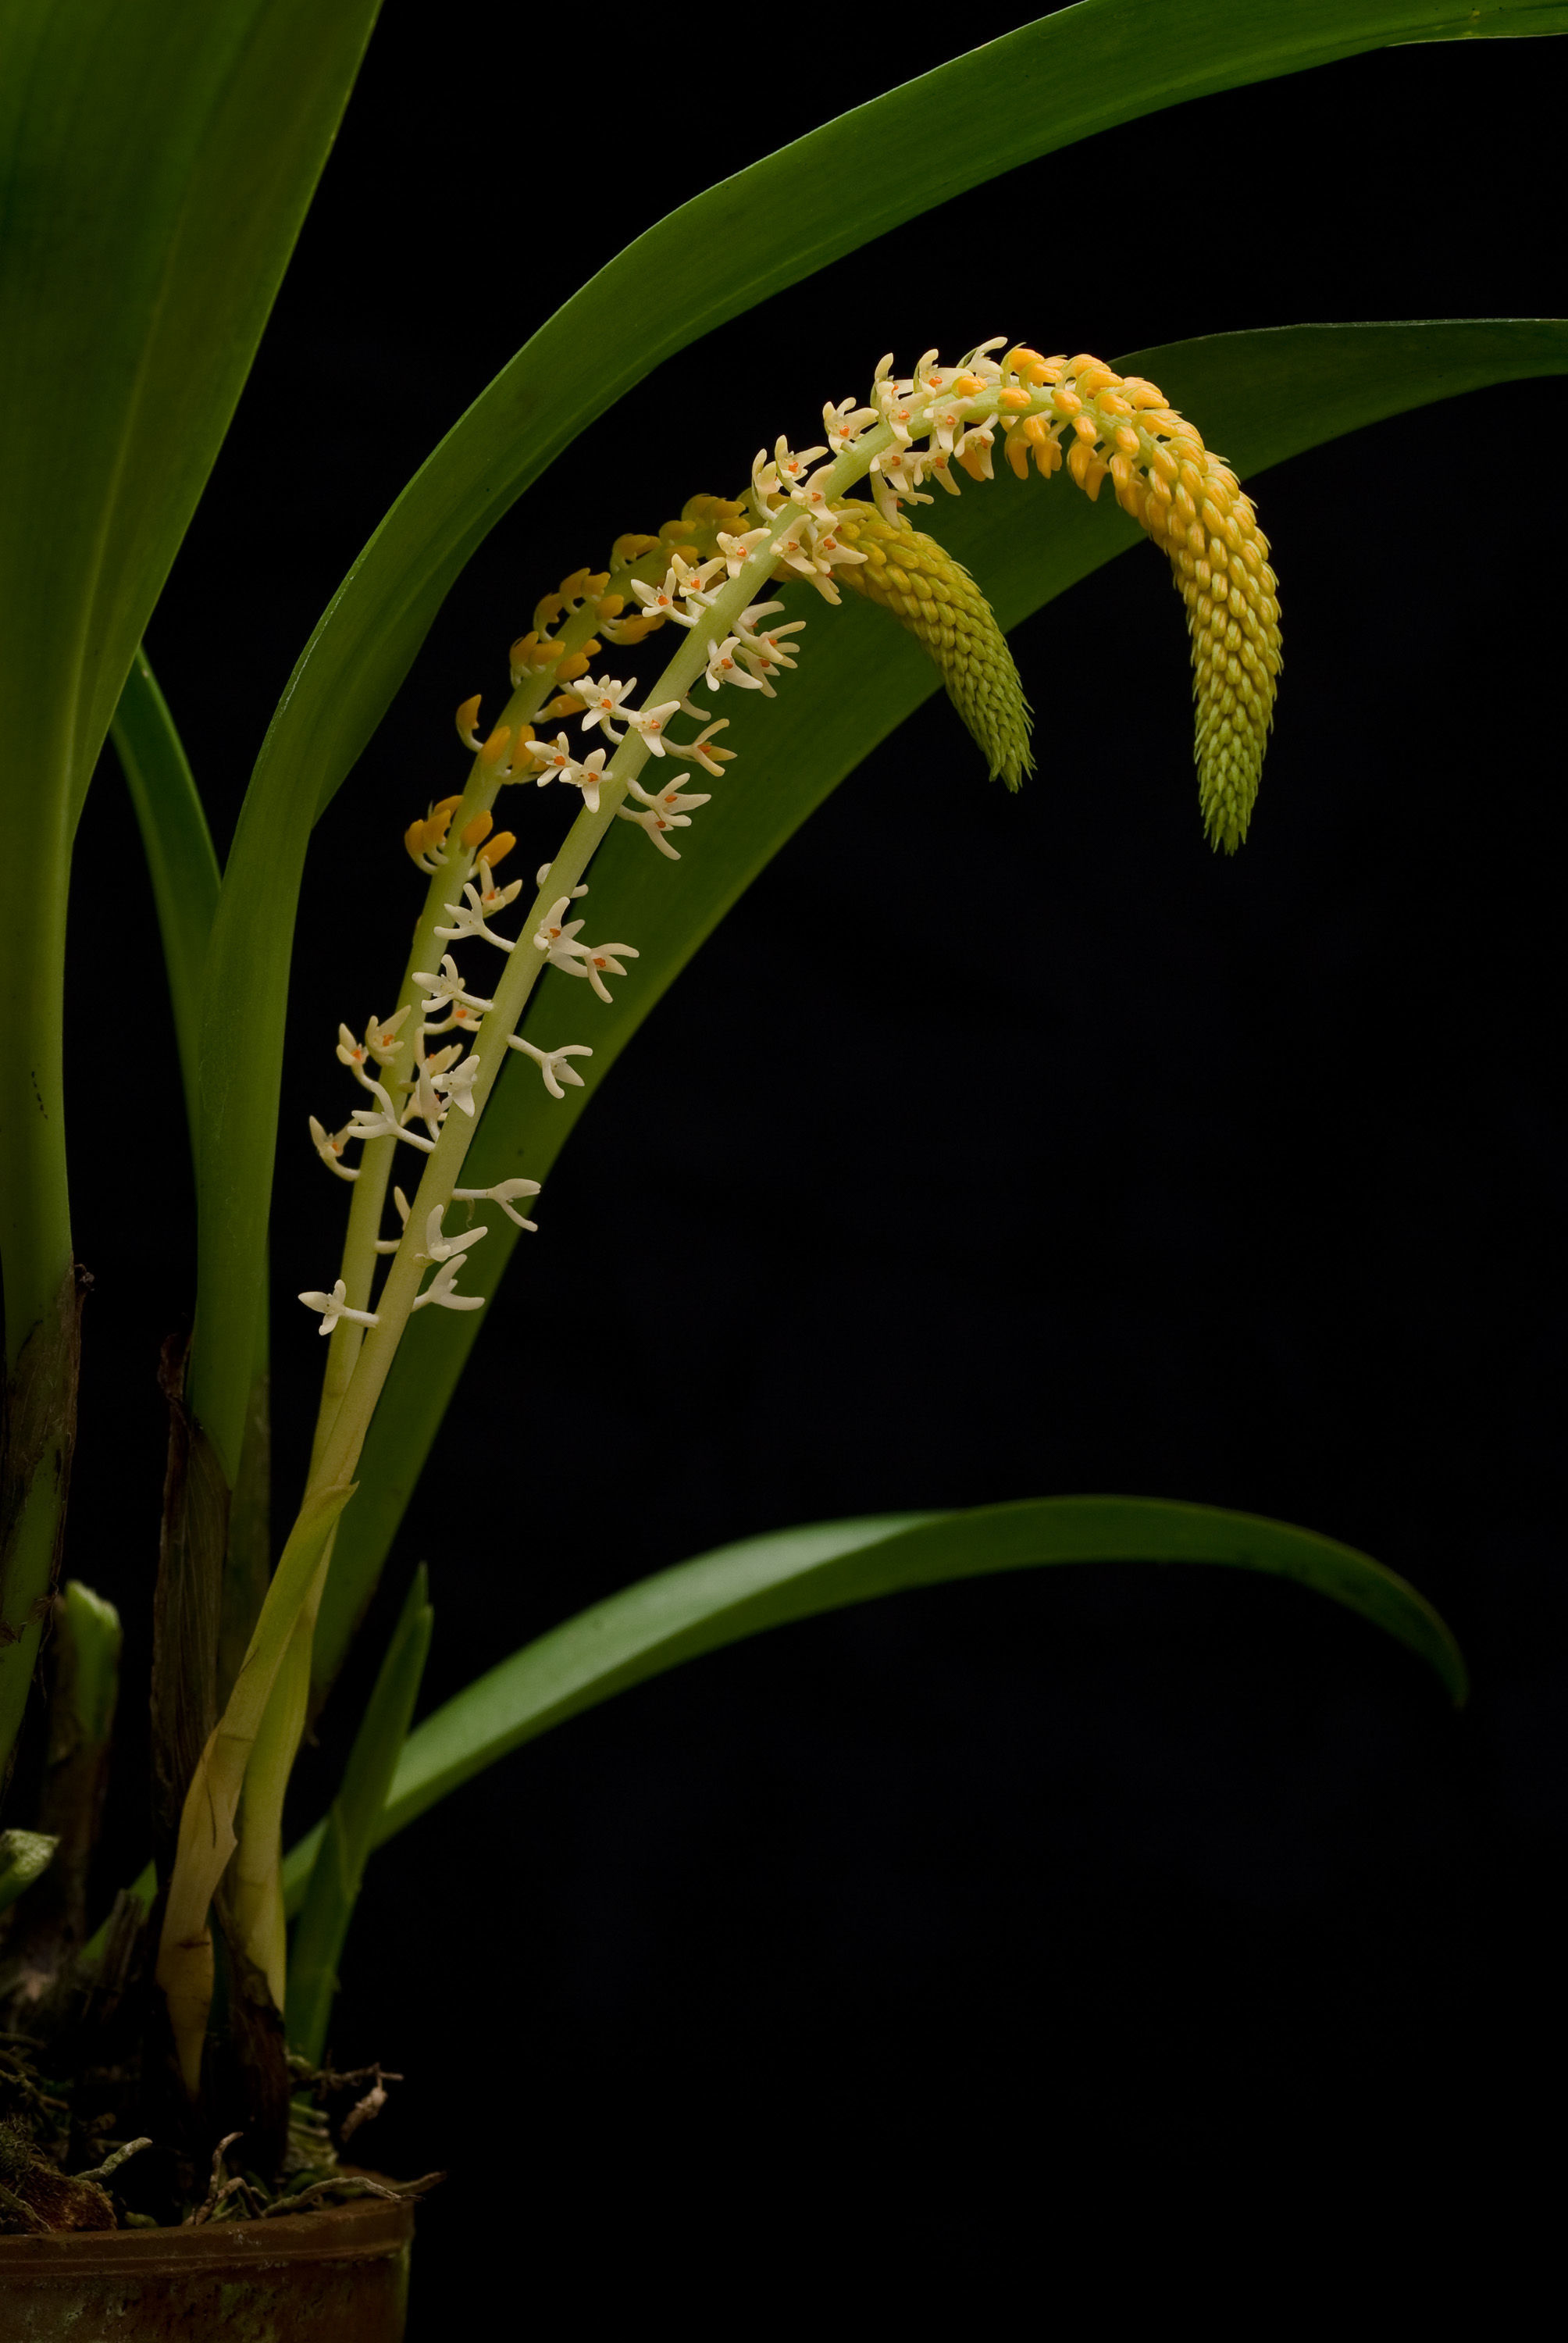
(1133, 1169)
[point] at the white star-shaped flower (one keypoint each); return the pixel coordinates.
(551, 1063)
(595, 962)
(329, 1145)
(384, 1123)
(723, 666)
(458, 1086)
(502, 1194)
(663, 812)
(469, 917)
(601, 701)
(439, 1289)
(334, 1306)
(437, 1247)
(448, 986)
(381, 1036)
(649, 722)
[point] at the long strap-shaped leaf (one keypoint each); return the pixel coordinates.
(179, 846)
(765, 1582)
(156, 157)
(1260, 398)
(1040, 89)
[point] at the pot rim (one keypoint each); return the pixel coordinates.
(367, 2229)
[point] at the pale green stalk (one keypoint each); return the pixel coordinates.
(207, 1837)
(256, 1879)
(258, 1873)
(369, 1204)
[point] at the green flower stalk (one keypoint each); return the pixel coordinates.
(426, 1071)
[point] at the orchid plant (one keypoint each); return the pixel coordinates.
(781, 609)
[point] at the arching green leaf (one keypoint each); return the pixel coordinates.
(767, 1581)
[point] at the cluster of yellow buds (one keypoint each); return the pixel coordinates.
(1123, 429)
(425, 838)
(908, 573)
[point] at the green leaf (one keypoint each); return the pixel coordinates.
(767, 1581)
(156, 157)
(177, 843)
(1037, 90)
(1260, 398)
(351, 1826)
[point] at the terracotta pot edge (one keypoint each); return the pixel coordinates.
(373, 2231)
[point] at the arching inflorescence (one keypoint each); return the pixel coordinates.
(795, 524)
(426, 1071)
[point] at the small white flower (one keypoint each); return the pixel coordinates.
(788, 465)
(595, 962)
(502, 1194)
(664, 812)
(602, 700)
(381, 1036)
(764, 654)
(897, 473)
(811, 493)
(458, 1086)
(699, 750)
(649, 722)
(329, 1145)
(663, 599)
(844, 424)
(683, 596)
(895, 413)
(448, 987)
(385, 1123)
(470, 916)
(554, 759)
(587, 775)
(443, 1248)
(724, 668)
(555, 935)
(494, 898)
(738, 551)
(353, 1054)
(334, 1306)
(439, 1289)
(552, 1063)
(425, 1097)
